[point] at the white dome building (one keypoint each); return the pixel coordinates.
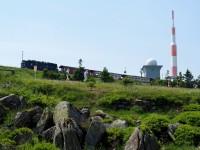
(151, 69)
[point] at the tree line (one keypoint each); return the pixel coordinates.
(185, 80)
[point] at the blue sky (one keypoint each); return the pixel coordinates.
(111, 33)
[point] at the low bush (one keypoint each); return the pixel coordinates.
(187, 135)
(4, 137)
(192, 107)
(178, 147)
(91, 83)
(115, 97)
(20, 131)
(50, 74)
(118, 136)
(157, 125)
(191, 118)
(127, 80)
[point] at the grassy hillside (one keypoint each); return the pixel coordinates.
(171, 103)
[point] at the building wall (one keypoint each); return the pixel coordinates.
(152, 72)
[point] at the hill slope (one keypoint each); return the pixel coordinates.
(136, 104)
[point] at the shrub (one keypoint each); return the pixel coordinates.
(105, 76)
(50, 74)
(91, 82)
(119, 136)
(178, 147)
(157, 125)
(79, 74)
(115, 97)
(191, 118)
(4, 137)
(188, 135)
(192, 107)
(127, 80)
(20, 131)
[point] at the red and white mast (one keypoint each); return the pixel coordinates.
(173, 49)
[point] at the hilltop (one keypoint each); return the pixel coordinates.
(152, 109)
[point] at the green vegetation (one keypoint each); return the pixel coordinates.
(157, 125)
(54, 75)
(105, 76)
(91, 82)
(192, 107)
(166, 106)
(187, 135)
(191, 118)
(118, 136)
(38, 146)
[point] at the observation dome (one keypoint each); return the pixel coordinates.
(151, 62)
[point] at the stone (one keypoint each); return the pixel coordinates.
(36, 114)
(85, 113)
(67, 135)
(140, 141)
(150, 143)
(85, 118)
(22, 119)
(119, 124)
(48, 134)
(23, 138)
(97, 118)
(12, 101)
(138, 122)
(65, 110)
(134, 141)
(144, 104)
(100, 113)
(122, 104)
(94, 134)
(171, 130)
(28, 118)
(46, 121)
(3, 111)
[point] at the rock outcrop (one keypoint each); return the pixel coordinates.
(23, 138)
(65, 110)
(49, 134)
(67, 135)
(2, 113)
(119, 124)
(46, 121)
(94, 134)
(12, 101)
(171, 130)
(140, 141)
(28, 118)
